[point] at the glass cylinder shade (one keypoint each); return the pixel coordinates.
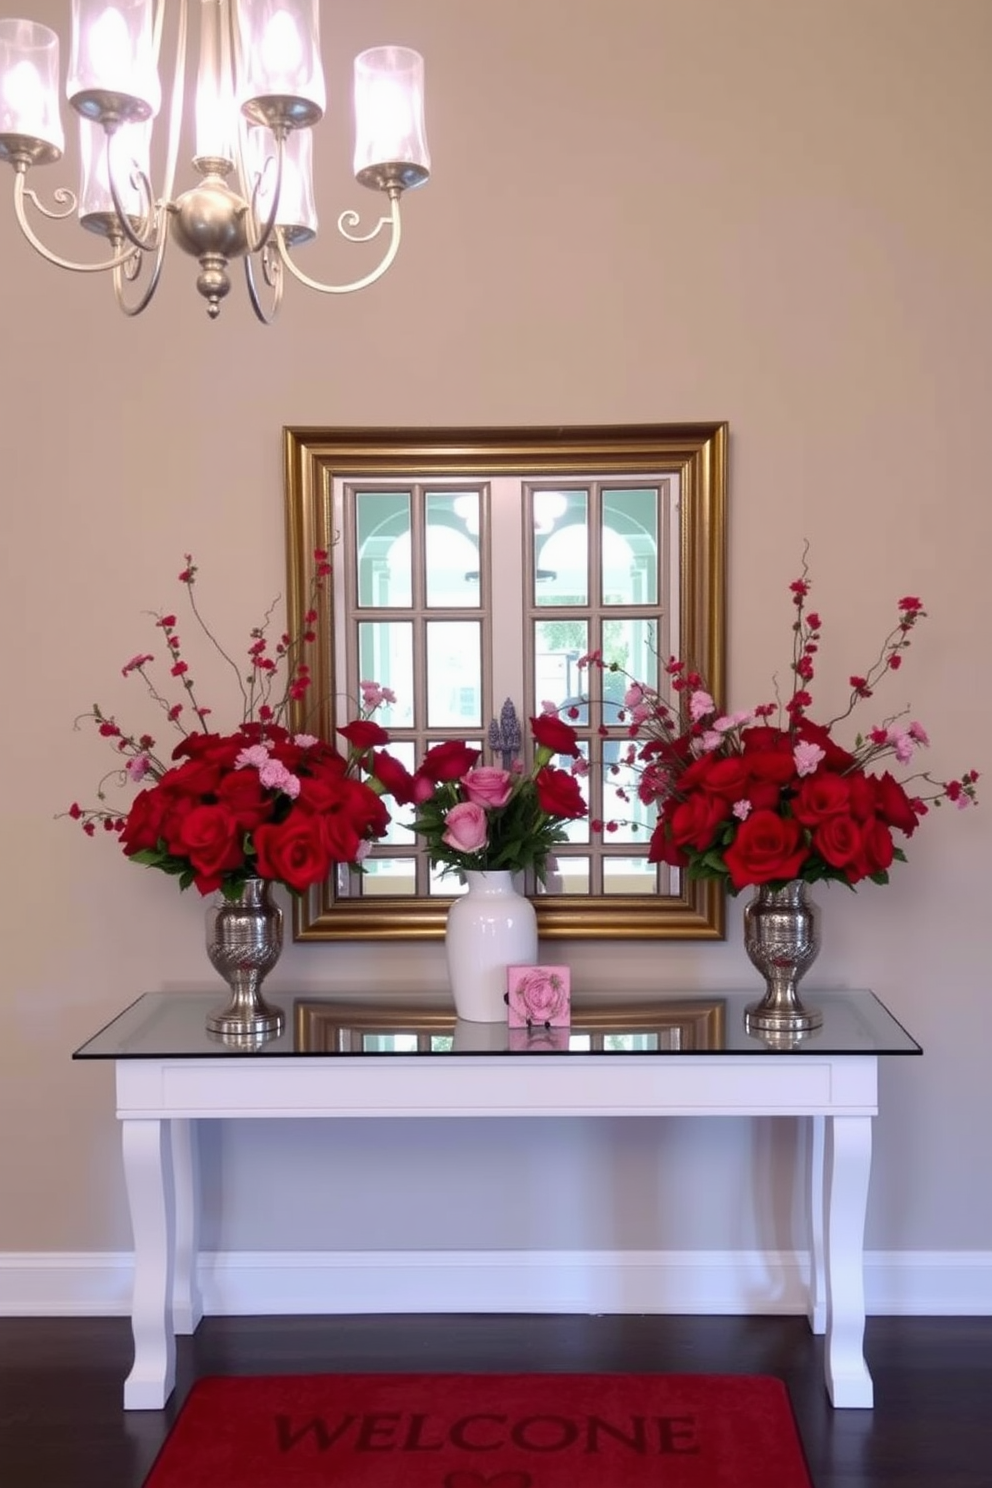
(217, 117)
(129, 156)
(112, 65)
(297, 211)
(390, 138)
(29, 91)
(280, 77)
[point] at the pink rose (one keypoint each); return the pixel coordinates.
(488, 786)
(540, 995)
(467, 828)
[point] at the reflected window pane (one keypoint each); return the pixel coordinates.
(634, 644)
(629, 547)
(452, 538)
(382, 520)
(630, 1043)
(389, 877)
(567, 875)
(389, 1043)
(630, 818)
(561, 547)
(445, 885)
(558, 679)
(385, 655)
(629, 876)
(454, 674)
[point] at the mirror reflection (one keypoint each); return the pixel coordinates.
(476, 566)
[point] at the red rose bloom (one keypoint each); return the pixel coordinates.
(662, 849)
(448, 761)
(393, 776)
(694, 822)
(861, 795)
(143, 827)
(697, 773)
(217, 749)
(834, 757)
(357, 814)
(558, 793)
(893, 805)
(293, 852)
(821, 796)
(877, 850)
(838, 840)
(194, 777)
(364, 733)
(728, 777)
(764, 795)
(767, 848)
(551, 733)
(209, 837)
(762, 738)
(242, 793)
(771, 766)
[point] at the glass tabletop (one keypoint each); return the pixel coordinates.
(173, 1025)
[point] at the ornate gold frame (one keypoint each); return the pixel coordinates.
(697, 453)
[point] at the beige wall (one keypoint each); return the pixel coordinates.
(774, 212)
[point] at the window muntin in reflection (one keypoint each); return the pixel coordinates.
(437, 560)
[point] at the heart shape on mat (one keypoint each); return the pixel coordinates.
(500, 1480)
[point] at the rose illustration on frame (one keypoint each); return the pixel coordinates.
(538, 995)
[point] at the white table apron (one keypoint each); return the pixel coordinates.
(159, 1099)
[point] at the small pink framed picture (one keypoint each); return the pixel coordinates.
(538, 996)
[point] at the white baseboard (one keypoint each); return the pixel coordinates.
(910, 1283)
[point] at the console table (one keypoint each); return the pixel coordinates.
(687, 1056)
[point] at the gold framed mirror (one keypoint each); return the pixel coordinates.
(475, 565)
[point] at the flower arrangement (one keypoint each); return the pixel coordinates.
(749, 801)
(258, 802)
(488, 818)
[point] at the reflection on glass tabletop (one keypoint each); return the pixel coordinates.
(173, 1025)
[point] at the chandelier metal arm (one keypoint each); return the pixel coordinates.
(259, 236)
(20, 192)
(128, 272)
(392, 221)
(274, 278)
(150, 229)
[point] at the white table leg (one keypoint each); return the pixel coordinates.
(847, 1167)
(187, 1304)
(148, 1173)
(816, 1307)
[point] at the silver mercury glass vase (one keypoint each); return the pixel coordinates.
(782, 939)
(244, 942)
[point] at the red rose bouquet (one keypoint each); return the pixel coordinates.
(490, 818)
(259, 802)
(750, 801)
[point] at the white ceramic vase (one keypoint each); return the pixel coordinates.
(489, 928)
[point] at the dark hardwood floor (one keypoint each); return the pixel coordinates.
(62, 1425)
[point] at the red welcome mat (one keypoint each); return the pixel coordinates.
(484, 1431)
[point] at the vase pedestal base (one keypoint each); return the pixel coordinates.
(774, 1014)
(246, 1018)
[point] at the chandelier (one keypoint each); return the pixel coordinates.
(259, 92)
